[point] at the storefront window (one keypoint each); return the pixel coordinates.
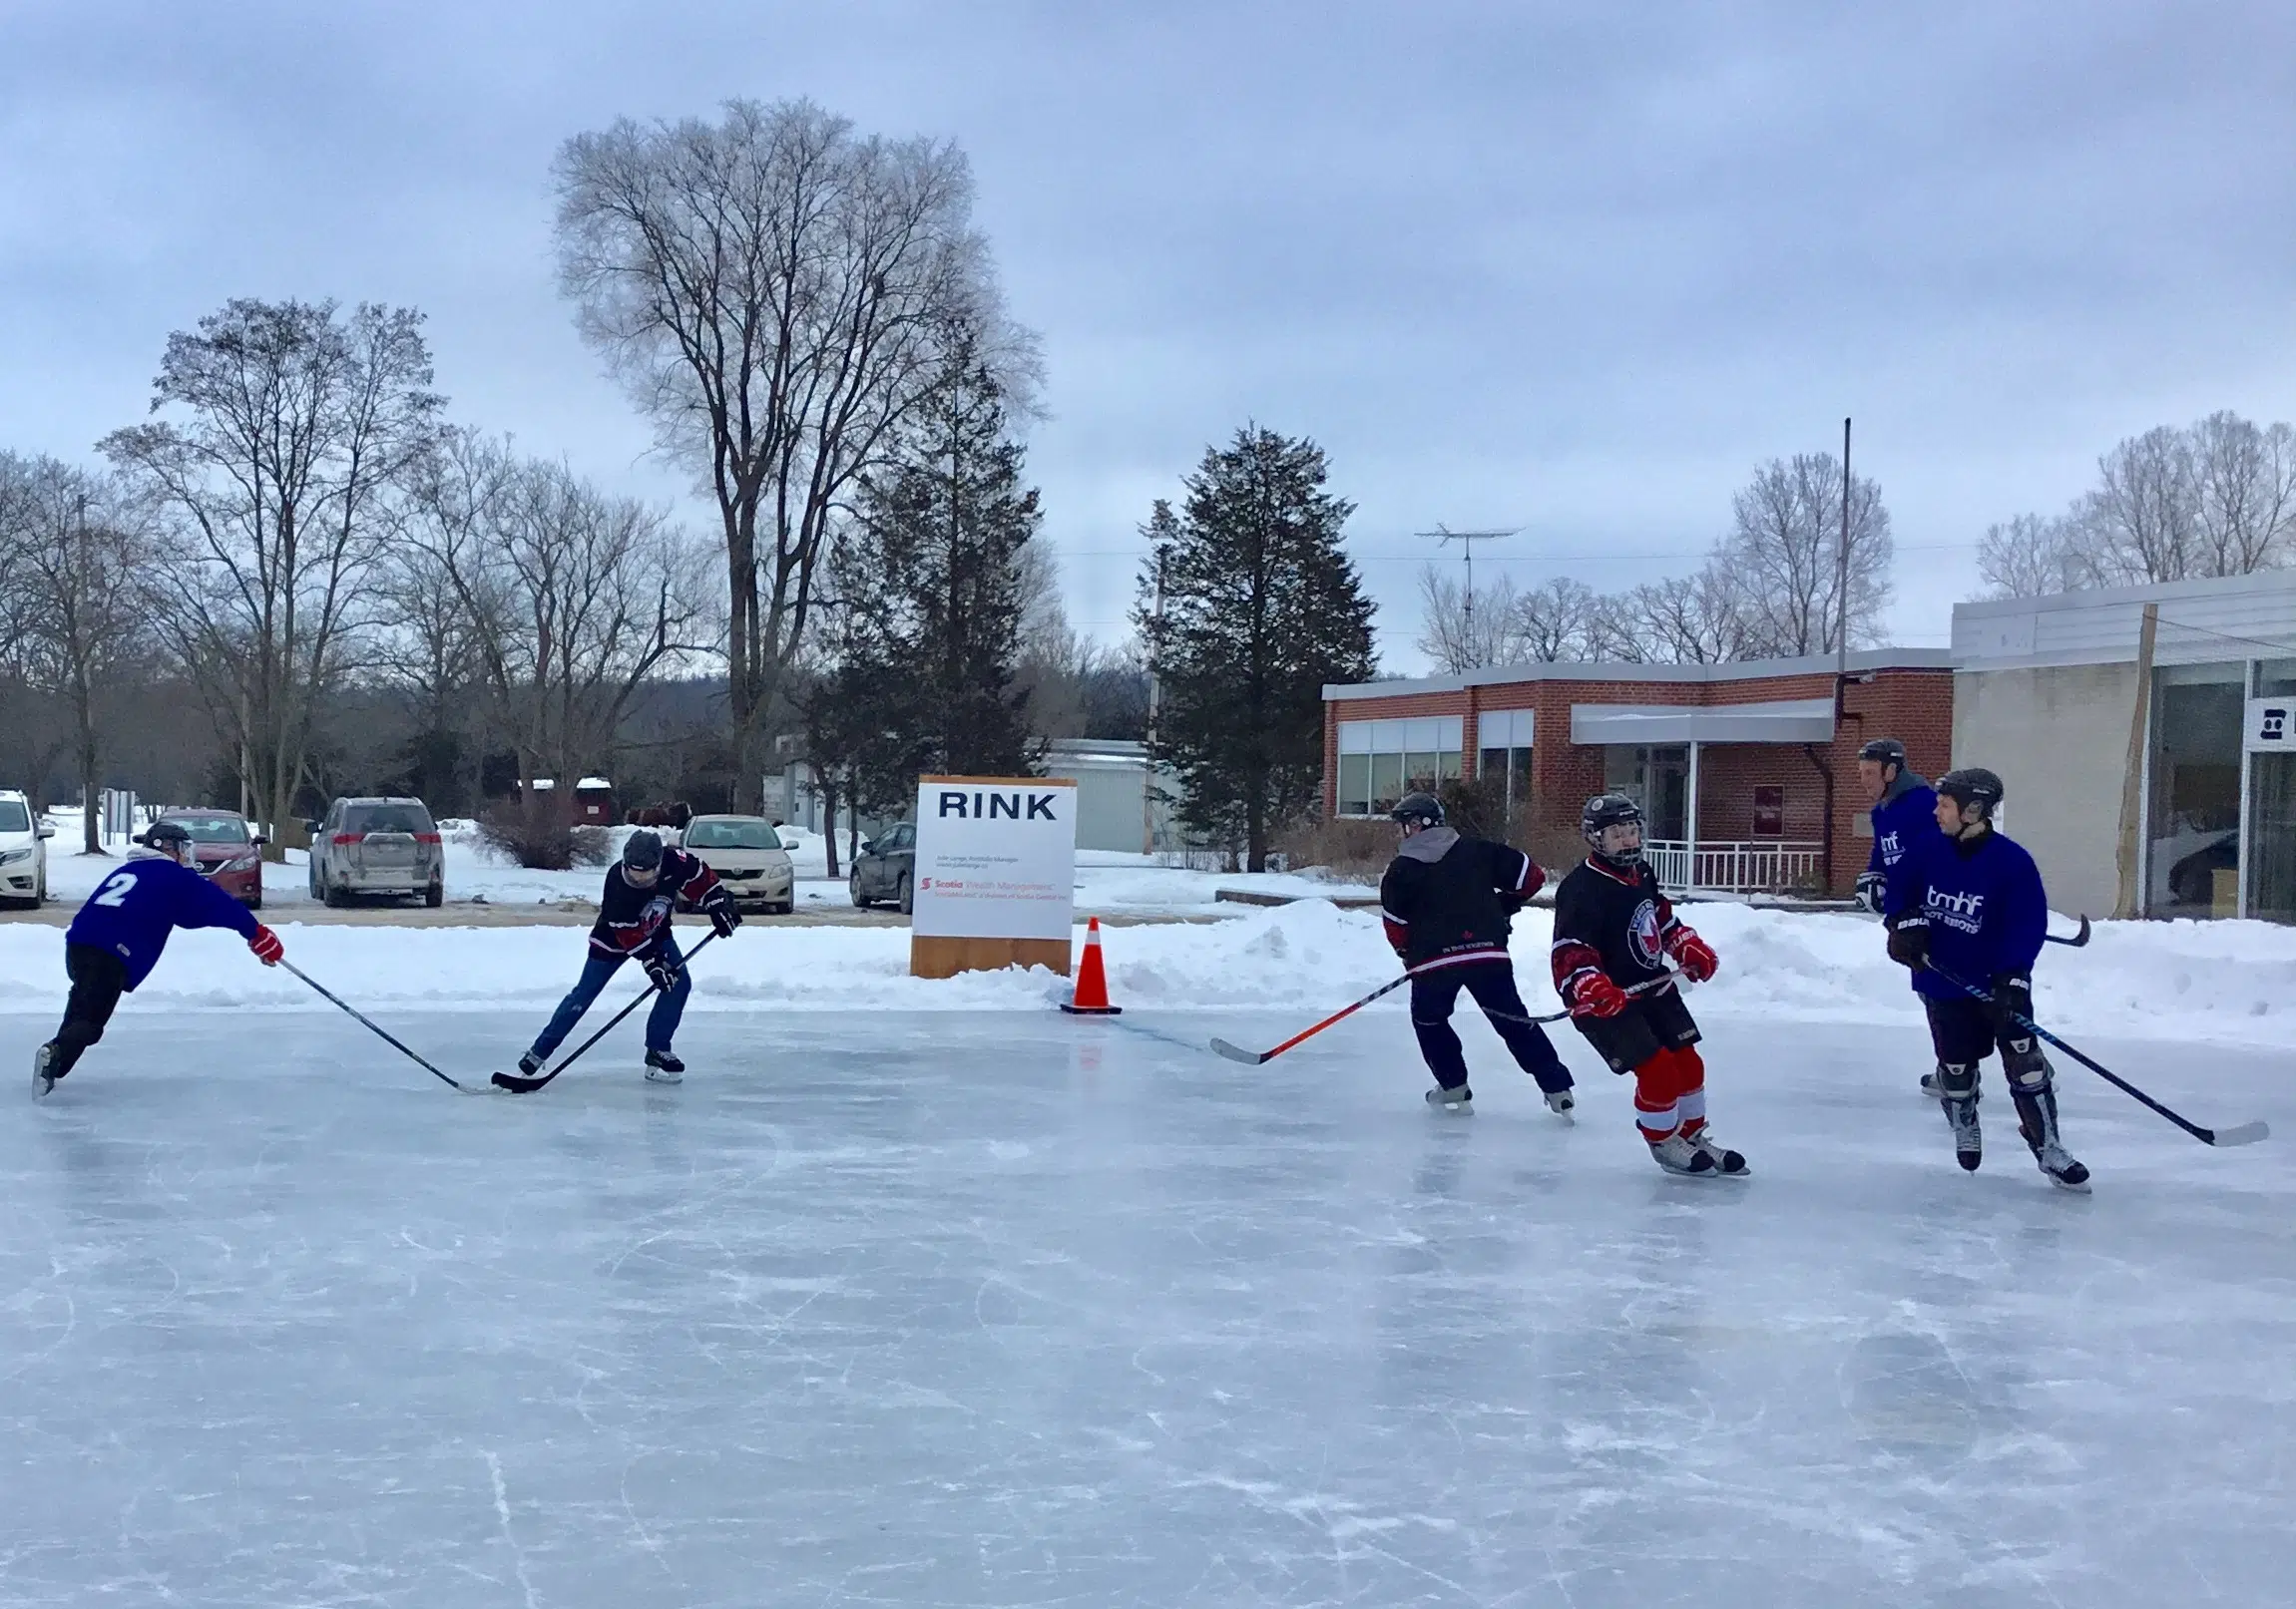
(1656, 778)
(1503, 761)
(1381, 760)
(2192, 855)
(2272, 810)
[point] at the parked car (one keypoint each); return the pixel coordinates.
(377, 846)
(747, 853)
(23, 851)
(886, 868)
(226, 850)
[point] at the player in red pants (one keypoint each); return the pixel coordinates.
(1613, 934)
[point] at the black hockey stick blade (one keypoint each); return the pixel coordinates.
(519, 1084)
(2074, 943)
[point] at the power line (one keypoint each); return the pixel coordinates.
(1536, 559)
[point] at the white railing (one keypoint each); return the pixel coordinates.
(1764, 865)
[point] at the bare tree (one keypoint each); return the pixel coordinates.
(772, 288)
(1460, 633)
(1697, 618)
(567, 599)
(295, 427)
(83, 561)
(2031, 556)
(1564, 619)
(2244, 481)
(1781, 551)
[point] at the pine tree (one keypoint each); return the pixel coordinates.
(932, 580)
(1261, 608)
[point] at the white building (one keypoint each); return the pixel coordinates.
(2046, 693)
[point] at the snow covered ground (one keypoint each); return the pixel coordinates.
(2197, 981)
(999, 1307)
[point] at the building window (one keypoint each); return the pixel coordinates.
(1770, 811)
(2192, 825)
(2271, 850)
(1503, 756)
(1655, 777)
(1382, 760)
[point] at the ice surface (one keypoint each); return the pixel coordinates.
(1004, 1307)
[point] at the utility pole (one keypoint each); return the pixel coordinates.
(1444, 536)
(1841, 652)
(1154, 701)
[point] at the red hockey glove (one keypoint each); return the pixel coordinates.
(1692, 954)
(1594, 994)
(265, 944)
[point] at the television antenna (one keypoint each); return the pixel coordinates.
(1443, 536)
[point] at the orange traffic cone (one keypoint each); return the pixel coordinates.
(1091, 998)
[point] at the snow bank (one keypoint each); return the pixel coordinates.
(2220, 981)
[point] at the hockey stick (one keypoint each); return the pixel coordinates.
(1254, 1059)
(369, 1022)
(2075, 941)
(520, 1084)
(2238, 1134)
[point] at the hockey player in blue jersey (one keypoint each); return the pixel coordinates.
(1971, 900)
(1903, 820)
(116, 940)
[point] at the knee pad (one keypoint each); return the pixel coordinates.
(2029, 1071)
(1957, 1080)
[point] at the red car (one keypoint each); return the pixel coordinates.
(230, 854)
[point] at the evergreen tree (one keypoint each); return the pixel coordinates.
(1261, 608)
(933, 583)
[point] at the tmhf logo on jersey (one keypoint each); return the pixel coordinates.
(1964, 913)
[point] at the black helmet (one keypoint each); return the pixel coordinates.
(1887, 750)
(170, 838)
(1610, 810)
(1423, 808)
(641, 857)
(1972, 785)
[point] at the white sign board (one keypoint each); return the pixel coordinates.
(2270, 726)
(996, 858)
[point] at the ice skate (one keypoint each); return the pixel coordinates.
(1727, 1162)
(2037, 1120)
(1968, 1139)
(1679, 1156)
(1460, 1099)
(2063, 1170)
(42, 1079)
(663, 1068)
(1930, 1088)
(1561, 1103)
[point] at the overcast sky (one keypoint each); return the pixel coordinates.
(1573, 269)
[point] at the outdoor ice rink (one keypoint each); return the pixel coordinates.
(1007, 1309)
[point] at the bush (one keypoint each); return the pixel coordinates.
(539, 833)
(1357, 850)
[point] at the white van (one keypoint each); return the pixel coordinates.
(23, 852)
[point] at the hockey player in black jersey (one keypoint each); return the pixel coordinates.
(1448, 900)
(1613, 932)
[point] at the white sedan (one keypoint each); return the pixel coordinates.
(747, 853)
(23, 854)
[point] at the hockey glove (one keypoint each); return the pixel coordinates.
(1594, 994)
(1869, 893)
(717, 906)
(665, 972)
(1692, 954)
(1909, 940)
(265, 944)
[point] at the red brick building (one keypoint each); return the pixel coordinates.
(1748, 772)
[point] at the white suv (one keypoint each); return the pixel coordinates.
(23, 851)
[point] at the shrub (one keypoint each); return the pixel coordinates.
(539, 832)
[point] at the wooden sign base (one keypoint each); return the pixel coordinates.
(945, 957)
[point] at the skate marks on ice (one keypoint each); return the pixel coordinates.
(995, 1311)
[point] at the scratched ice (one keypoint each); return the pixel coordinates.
(1002, 1310)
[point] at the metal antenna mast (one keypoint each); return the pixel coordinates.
(1444, 536)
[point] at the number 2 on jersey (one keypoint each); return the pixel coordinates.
(115, 889)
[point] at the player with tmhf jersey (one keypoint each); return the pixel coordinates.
(634, 924)
(1448, 900)
(116, 940)
(1969, 904)
(1613, 934)
(1903, 820)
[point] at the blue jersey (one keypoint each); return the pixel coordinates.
(134, 909)
(1904, 821)
(1984, 906)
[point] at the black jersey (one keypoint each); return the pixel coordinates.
(1613, 922)
(1447, 894)
(632, 921)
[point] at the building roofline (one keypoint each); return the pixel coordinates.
(2262, 580)
(1816, 665)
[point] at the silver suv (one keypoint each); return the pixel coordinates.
(377, 846)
